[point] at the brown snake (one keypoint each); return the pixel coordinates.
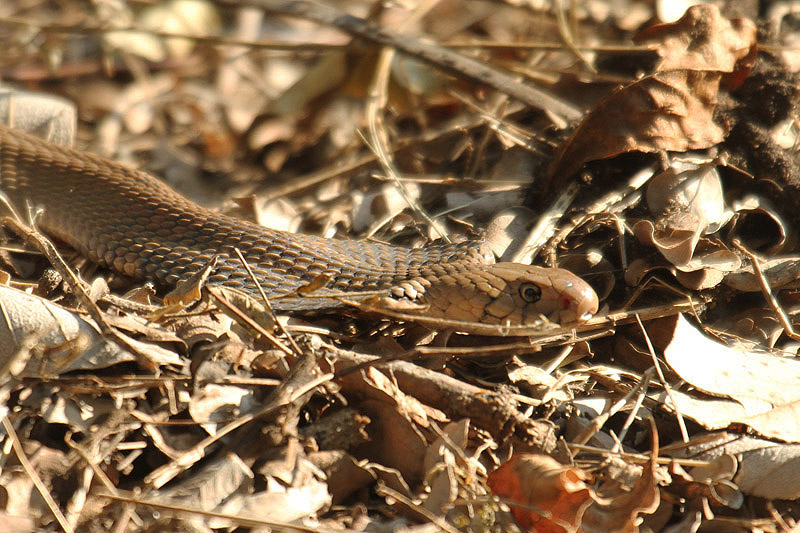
(137, 225)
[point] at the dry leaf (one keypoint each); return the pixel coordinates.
(764, 384)
(665, 111)
(559, 493)
(704, 40)
(61, 340)
(558, 498)
(671, 109)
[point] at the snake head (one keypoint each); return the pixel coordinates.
(511, 294)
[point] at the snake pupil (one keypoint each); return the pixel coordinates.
(530, 292)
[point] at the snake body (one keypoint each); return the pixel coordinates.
(137, 225)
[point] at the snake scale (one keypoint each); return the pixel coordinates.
(137, 225)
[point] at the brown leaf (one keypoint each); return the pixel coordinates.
(666, 111)
(555, 496)
(187, 291)
(558, 498)
(704, 40)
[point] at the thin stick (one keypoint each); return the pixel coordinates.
(766, 290)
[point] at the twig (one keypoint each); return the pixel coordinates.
(438, 56)
(267, 303)
(766, 290)
(34, 476)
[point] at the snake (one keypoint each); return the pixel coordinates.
(138, 226)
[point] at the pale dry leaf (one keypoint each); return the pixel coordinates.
(771, 472)
(780, 422)
(45, 116)
(242, 85)
(294, 491)
(709, 268)
(708, 484)
(764, 384)
(373, 209)
(508, 230)
(181, 17)
(677, 246)
(277, 503)
(139, 96)
(671, 10)
(710, 413)
(777, 14)
(763, 468)
(622, 511)
(535, 382)
(64, 341)
(780, 272)
(213, 483)
(440, 464)
(77, 412)
(688, 196)
(22, 500)
(717, 369)
(759, 326)
(701, 262)
(213, 404)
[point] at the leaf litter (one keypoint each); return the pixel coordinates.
(673, 409)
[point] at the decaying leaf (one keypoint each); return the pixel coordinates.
(558, 498)
(684, 44)
(671, 109)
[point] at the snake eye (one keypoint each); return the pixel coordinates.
(530, 292)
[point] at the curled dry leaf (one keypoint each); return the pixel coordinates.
(688, 196)
(214, 404)
(710, 483)
(771, 471)
(559, 498)
(687, 202)
(67, 341)
(543, 484)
